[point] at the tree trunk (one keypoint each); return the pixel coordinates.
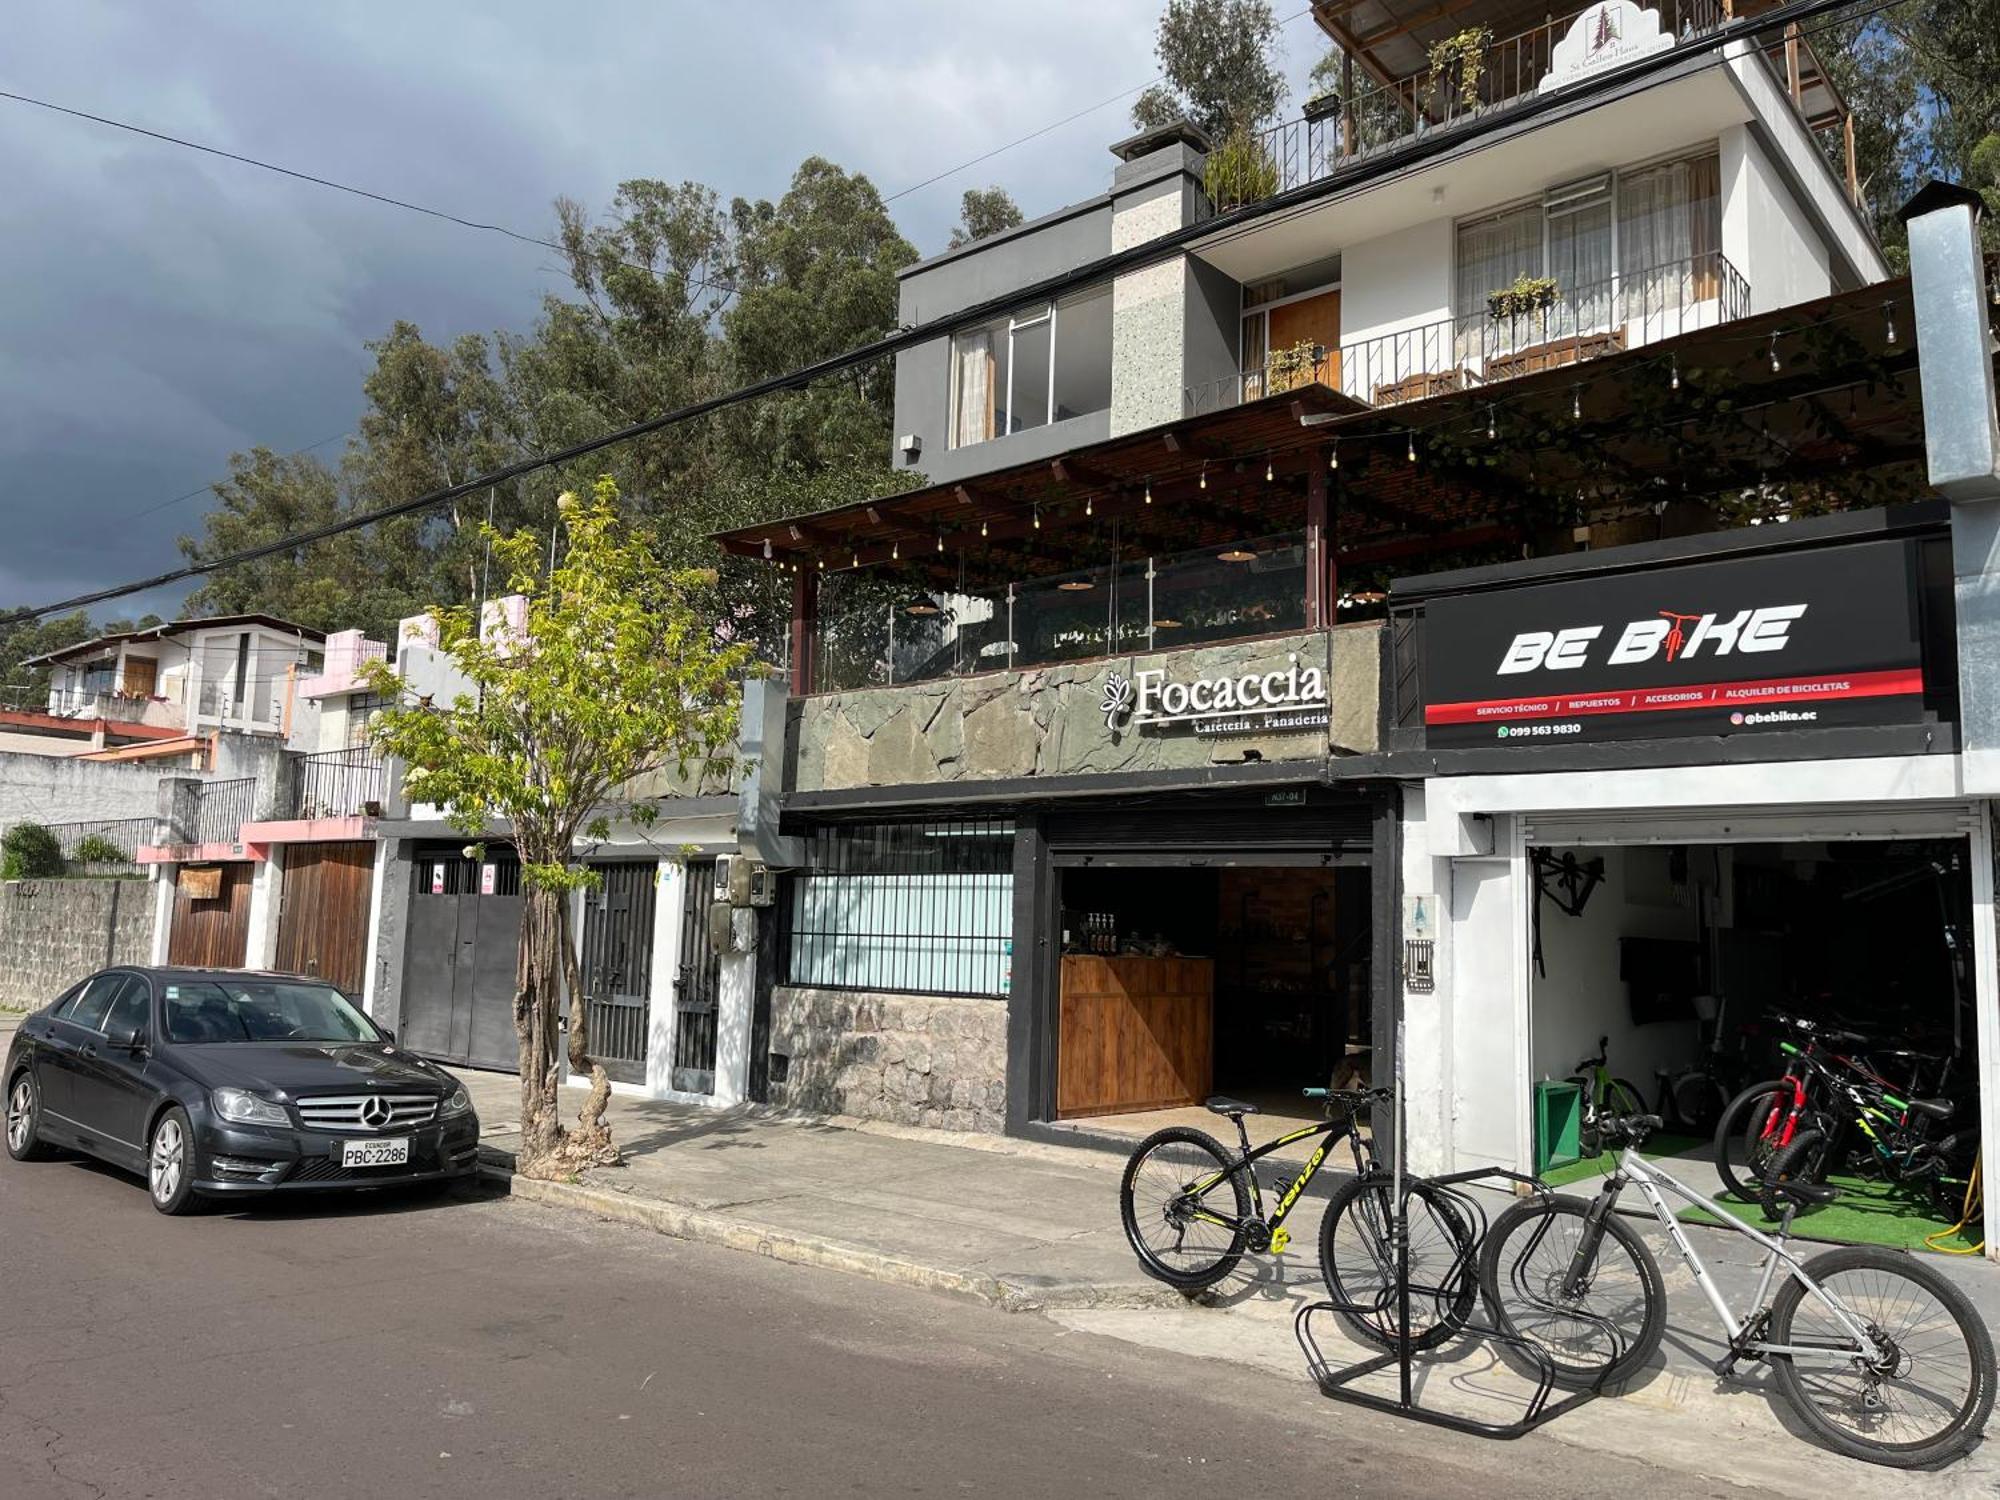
(538, 977)
(590, 1143)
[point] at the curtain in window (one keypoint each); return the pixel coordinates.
(1580, 262)
(1654, 244)
(1492, 254)
(974, 353)
(1254, 354)
(1705, 225)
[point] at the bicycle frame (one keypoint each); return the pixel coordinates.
(1280, 1237)
(1651, 1178)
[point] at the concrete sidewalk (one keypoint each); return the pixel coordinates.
(1032, 1227)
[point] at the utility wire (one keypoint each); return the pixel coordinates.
(1404, 157)
(207, 488)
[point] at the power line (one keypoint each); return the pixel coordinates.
(207, 488)
(1407, 156)
(298, 175)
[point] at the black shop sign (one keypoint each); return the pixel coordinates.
(1745, 645)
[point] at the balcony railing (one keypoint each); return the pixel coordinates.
(340, 784)
(1376, 115)
(1477, 349)
(103, 838)
(222, 808)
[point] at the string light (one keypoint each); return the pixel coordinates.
(1089, 506)
(1333, 461)
(1491, 431)
(940, 541)
(1413, 447)
(1038, 518)
(822, 565)
(767, 549)
(1204, 476)
(854, 560)
(1270, 471)
(1576, 403)
(1889, 316)
(1776, 363)
(982, 526)
(1149, 492)
(895, 551)
(1674, 383)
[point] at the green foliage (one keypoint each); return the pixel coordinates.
(1521, 297)
(1287, 369)
(984, 211)
(28, 851)
(96, 849)
(1217, 56)
(1458, 62)
(617, 673)
(1239, 170)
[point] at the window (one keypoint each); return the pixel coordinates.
(93, 1001)
(361, 707)
(1669, 231)
(1280, 313)
(131, 1010)
(257, 1010)
(916, 908)
(1041, 364)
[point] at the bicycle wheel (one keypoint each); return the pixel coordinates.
(1928, 1400)
(1359, 1263)
(1698, 1100)
(1598, 1333)
(1807, 1159)
(1752, 1130)
(1177, 1185)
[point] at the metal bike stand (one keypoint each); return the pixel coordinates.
(1543, 1404)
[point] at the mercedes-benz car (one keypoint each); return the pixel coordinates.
(219, 1083)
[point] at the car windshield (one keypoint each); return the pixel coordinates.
(263, 1010)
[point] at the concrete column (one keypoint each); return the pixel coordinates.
(378, 879)
(734, 1007)
(267, 894)
(667, 905)
(162, 878)
(1155, 191)
(391, 914)
(179, 810)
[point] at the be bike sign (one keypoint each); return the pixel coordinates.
(1746, 645)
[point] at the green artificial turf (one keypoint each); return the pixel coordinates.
(1865, 1213)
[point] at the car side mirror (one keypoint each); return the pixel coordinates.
(124, 1039)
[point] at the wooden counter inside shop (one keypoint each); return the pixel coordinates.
(1136, 1033)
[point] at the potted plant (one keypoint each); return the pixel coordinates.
(1288, 369)
(1458, 62)
(1525, 296)
(1319, 106)
(1239, 170)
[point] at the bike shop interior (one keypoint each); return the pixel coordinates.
(1687, 960)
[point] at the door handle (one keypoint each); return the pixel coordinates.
(88, 1049)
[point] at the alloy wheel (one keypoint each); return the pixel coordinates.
(169, 1160)
(20, 1114)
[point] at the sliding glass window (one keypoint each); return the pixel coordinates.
(1040, 364)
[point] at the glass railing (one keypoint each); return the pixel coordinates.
(874, 635)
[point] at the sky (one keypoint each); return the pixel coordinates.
(164, 309)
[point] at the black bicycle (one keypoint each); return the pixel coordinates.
(1192, 1210)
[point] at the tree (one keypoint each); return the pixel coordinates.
(29, 851)
(28, 687)
(268, 496)
(1216, 56)
(983, 211)
(616, 673)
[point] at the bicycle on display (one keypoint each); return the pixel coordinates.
(1192, 1209)
(1879, 1354)
(1604, 1098)
(1836, 1098)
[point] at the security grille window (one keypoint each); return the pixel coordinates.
(450, 873)
(915, 908)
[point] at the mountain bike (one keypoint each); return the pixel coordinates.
(1604, 1098)
(1192, 1209)
(1839, 1096)
(1879, 1354)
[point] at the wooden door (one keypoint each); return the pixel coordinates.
(211, 931)
(323, 918)
(1135, 1033)
(1311, 320)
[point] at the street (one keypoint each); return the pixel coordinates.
(482, 1347)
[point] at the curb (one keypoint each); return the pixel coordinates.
(703, 1227)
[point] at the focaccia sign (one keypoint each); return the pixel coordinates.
(1784, 640)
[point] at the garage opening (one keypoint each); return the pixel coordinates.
(1672, 978)
(1180, 983)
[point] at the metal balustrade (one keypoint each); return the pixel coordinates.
(340, 784)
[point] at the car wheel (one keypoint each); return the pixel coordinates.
(24, 1114)
(170, 1163)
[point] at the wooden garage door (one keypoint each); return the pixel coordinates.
(323, 914)
(211, 928)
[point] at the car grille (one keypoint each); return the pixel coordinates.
(343, 1111)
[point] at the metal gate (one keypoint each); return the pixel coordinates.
(211, 922)
(618, 966)
(463, 943)
(697, 986)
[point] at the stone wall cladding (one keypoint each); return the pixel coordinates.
(1049, 721)
(909, 1059)
(55, 932)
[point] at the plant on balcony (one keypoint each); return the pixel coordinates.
(96, 849)
(29, 851)
(1322, 104)
(1460, 58)
(1288, 369)
(1526, 296)
(1240, 170)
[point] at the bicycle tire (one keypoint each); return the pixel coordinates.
(1965, 1423)
(1359, 1273)
(1806, 1159)
(1202, 1272)
(1740, 1159)
(1698, 1101)
(1624, 1098)
(1516, 1291)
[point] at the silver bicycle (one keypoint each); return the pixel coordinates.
(1881, 1356)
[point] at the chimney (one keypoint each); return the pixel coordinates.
(1954, 342)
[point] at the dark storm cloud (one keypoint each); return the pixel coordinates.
(162, 309)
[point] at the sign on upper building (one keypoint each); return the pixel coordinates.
(1614, 32)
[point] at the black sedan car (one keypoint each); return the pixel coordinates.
(223, 1084)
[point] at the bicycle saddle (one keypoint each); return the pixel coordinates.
(1223, 1105)
(1932, 1109)
(1798, 1191)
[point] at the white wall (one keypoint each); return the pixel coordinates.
(1581, 997)
(1766, 234)
(1401, 280)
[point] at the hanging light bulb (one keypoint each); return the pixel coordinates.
(1204, 476)
(1333, 459)
(1413, 448)
(982, 526)
(767, 549)
(1889, 317)
(822, 565)
(1674, 383)
(1149, 492)
(1090, 505)
(1576, 403)
(895, 552)
(1270, 471)
(854, 560)
(1038, 518)
(1491, 430)
(1776, 363)
(940, 541)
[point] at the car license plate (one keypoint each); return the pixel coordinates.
(394, 1153)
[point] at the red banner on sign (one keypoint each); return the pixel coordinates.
(1733, 695)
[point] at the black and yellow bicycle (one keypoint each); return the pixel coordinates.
(1192, 1210)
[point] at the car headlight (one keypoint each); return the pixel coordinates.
(458, 1103)
(245, 1108)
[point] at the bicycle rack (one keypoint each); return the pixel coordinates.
(1522, 1354)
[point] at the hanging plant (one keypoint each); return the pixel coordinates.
(1288, 369)
(1525, 296)
(1239, 170)
(1466, 52)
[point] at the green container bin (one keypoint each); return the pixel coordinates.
(1558, 1111)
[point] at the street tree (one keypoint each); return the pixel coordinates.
(616, 671)
(984, 211)
(1218, 62)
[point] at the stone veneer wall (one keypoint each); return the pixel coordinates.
(1049, 721)
(55, 932)
(910, 1059)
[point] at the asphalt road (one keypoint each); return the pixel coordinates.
(483, 1348)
